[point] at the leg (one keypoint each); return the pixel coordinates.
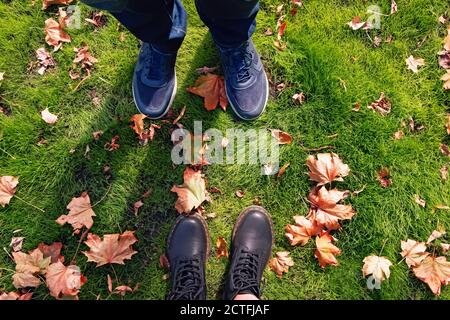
(232, 22)
(161, 26)
(188, 247)
(251, 249)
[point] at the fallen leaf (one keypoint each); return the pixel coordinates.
(326, 209)
(446, 79)
(281, 263)
(180, 115)
(280, 46)
(356, 107)
(84, 59)
(326, 168)
(48, 3)
(283, 169)
(382, 105)
(383, 178)
(299, 98)
(435, 235)
(80, 213)
(413, 252)
(114, 248)
(53, 251)
(378, 267)
(16, 243)
(212, 88)
(281, 137)
(28, 268)
(48, 117)
(113, 145)
(97, 135)
(357, 24)
(137, 205)
(138, 125)
(302, 231)
(221, 247)
(445, 247)
(393, 7)
(414, 63)
(8, 186)
(326, 251)
(434, 271)
(419, 201)
(447, 40)
(206, 70)
(239, 193)
(44, 60)
(268, 32)
(445, 150)
(109, 282)
(122, 290)
(164, 262)
(64, 281)
(54, 34)
(443, 19)
(15, 296)
(444, 59)
(192, 193)
(98, 19)
(398, 135)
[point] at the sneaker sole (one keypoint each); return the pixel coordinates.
(265, 102)
(172, 98)
(205, 225)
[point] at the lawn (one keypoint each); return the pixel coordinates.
(333, 65)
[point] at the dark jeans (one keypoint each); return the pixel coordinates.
(163, 22)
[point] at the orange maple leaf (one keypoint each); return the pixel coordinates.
(326, 251)
(80, 213)
(325, 207)
(281, 263)
(281, 137)
(434, 271)
(8, 186)
(221, 247)
(54, 34)
(212, 88)
(114, 248)
(302, 231)
(28, 267)
(192, 193)
(64, 281)
(326, 168)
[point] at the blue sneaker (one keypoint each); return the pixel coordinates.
(154, 81)
(246, 82)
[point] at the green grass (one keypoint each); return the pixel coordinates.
(317, 61)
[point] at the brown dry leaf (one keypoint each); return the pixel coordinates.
(281, 263)
(326, 209)
(444, 173)
(446, 79)
(434, 271)
(44, 60)
(383, 178)
(280, 46)
(447, 40)
(122, 290)
(398, 135)
(378, 267)
(64, 282)
(138, 126)
(414, 63)
(80, 213)
(114, 248)
(16, 243)
(393, 7)
(299, 98)
(48, 117)
(136, 206)
(420, 201)
(239, 193)
(54, 34)
(326, 168)
(445, 247)
(302, 231)
(436, 234)
(445, 150)
(192, 193)
(382, 105)
(97, 18)
(15, 296)
(356, 107)
(326, 251)
(113, 145)
(268, 32)
(53, 251)
(8, 186)
(221, 247)
(444, 59)
(84, 59)
(97, 134)
(413, 252)
(283, 169)
(212, 88)
(281, 137)
(357, 24)
(164, 262)
(48, 3)
(28, 267)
